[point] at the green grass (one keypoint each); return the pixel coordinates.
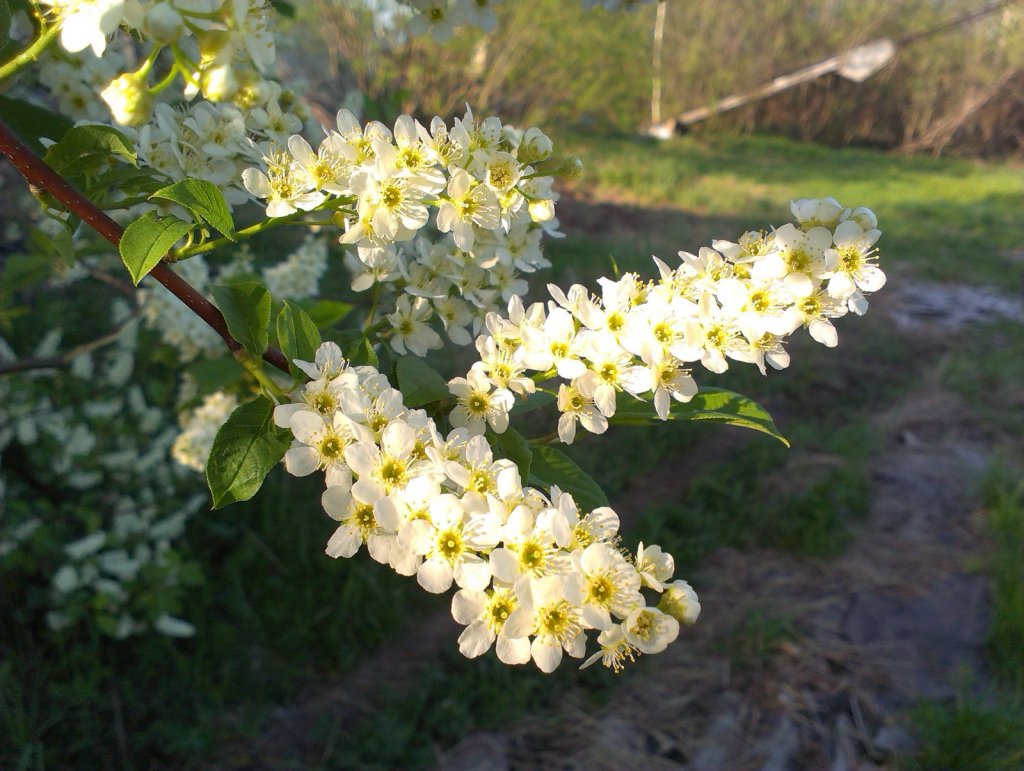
(988, 734)
(273, 616)
(753, 642)
(992, 377)
(952, 220)
(969, 736)
(1006, 566)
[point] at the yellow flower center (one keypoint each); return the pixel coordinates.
(331, 447)
(600, 590)
(364, 520)
(393, 472)
(450, 545)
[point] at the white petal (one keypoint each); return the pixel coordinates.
(475, 640)
(513, 651)
(435, 576)
(468, 605)
(519, 624)
(473, 574)
(344, 543)
(335, 501)
(301, 461)
(547, 653)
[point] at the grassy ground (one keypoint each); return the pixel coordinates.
(276, 619)
(989, 733)
(950, 219)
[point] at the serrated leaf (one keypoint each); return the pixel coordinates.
(86, 148)
(327, 313)
(514, 447)
(204, 200)
(419, 382)
(147, 240)
(551, 466)
(297, 335)
(244, 451)
(535, 401)
(716, 405)
(246, 308)
(32, 122)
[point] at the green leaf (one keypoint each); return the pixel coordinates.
(535, 401)
(86, 148)
(327, 313)
(419, 382)
(356, 347)
(513, 446)
(716, 405)
(362, 353)
(297, 335)
(57, 244)
(247, 446)
(205, 201)
(246, 307)
(147, 240)
(551, 466)
(214, 374)
(23, 270)
(32, 122)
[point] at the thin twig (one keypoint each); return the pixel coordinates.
(37, 173)
(30, 54)
(62, 360)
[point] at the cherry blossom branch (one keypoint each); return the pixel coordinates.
(41, 176)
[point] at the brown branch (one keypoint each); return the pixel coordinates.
(39, 175)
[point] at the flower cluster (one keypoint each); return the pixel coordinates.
(298, 275)
(199, 426)
(492, 204)
(107, 569)
(112, 546)
(737, 301)
(221, 48)
(533, 572)
(215, 142)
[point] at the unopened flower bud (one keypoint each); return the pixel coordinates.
(129, 99)
(864, 217)
(680, 601)
(571, 169)
(212, 43)
(535, 146)
(542, 210)
(218, 83)
(163, 24)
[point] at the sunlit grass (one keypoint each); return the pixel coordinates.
(950, 219)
